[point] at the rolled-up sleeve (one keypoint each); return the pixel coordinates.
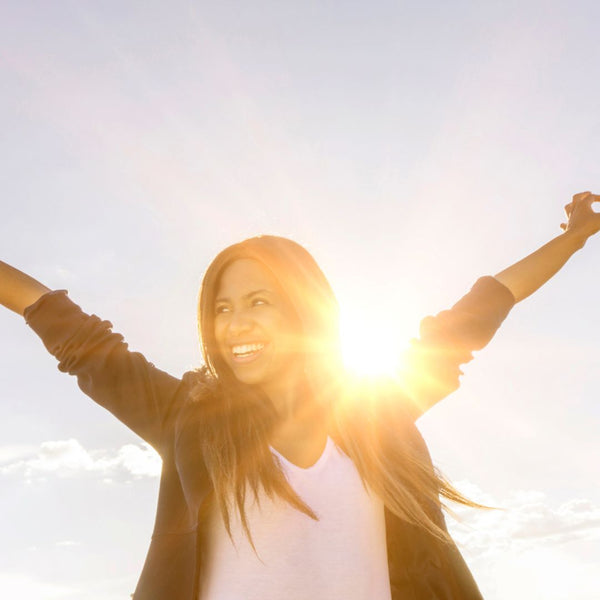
(447, 340)
(124, 382)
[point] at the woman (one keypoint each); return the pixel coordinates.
(281, 478)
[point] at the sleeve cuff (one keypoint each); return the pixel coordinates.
(50, 300)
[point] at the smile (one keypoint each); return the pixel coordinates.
(246, 352)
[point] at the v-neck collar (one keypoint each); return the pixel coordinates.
(317, 466)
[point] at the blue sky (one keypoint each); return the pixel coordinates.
(410, 148)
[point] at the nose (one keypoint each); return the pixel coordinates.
(239, 323)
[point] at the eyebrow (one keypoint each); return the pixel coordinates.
(245, 296)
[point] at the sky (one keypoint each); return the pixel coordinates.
(411, 147)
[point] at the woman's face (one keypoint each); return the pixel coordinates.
(256, 329)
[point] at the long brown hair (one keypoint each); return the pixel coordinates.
(368, 421)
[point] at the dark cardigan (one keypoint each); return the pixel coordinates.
(157, 407)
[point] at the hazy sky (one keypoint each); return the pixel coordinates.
(412, 147)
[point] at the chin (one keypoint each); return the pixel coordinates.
(248, 378)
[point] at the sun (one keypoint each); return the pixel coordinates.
(372, 346)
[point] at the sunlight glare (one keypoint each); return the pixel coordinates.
(371, 346)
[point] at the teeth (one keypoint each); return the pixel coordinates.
(246, 349)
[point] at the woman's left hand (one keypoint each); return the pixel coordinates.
(582, 220)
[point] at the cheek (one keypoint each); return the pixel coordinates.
(219, 328)
(290, 335)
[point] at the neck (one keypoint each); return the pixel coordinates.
(297, 406)
(301, 431)
(288, 393)
(289, 400)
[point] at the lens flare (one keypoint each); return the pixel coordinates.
(371, 347)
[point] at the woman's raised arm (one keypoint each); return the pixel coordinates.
(122, 381)
(448, 340)
(526, 276)
(18, 290)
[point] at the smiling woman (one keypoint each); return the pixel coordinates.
(257, 332)
(281, 477)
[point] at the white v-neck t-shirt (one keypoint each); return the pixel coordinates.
(342, 556)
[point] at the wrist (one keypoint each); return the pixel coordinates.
(577, 239)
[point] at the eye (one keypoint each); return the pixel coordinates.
(222, 308)
(258, 301)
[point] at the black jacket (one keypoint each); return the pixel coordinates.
(157, 407)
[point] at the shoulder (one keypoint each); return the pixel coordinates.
(377, 404)
(198, 392)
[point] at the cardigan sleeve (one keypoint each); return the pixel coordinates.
(120, 380)
(447, 340)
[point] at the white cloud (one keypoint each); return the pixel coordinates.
(25, 587)
(68, 458)
(525, 519)
(14, 452)
(531, 548)
(540, 573)
(140, 461)
(63, 456)
(539, 520)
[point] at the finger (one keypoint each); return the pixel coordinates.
(588, 200)
(568, 209)
(581, 197)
